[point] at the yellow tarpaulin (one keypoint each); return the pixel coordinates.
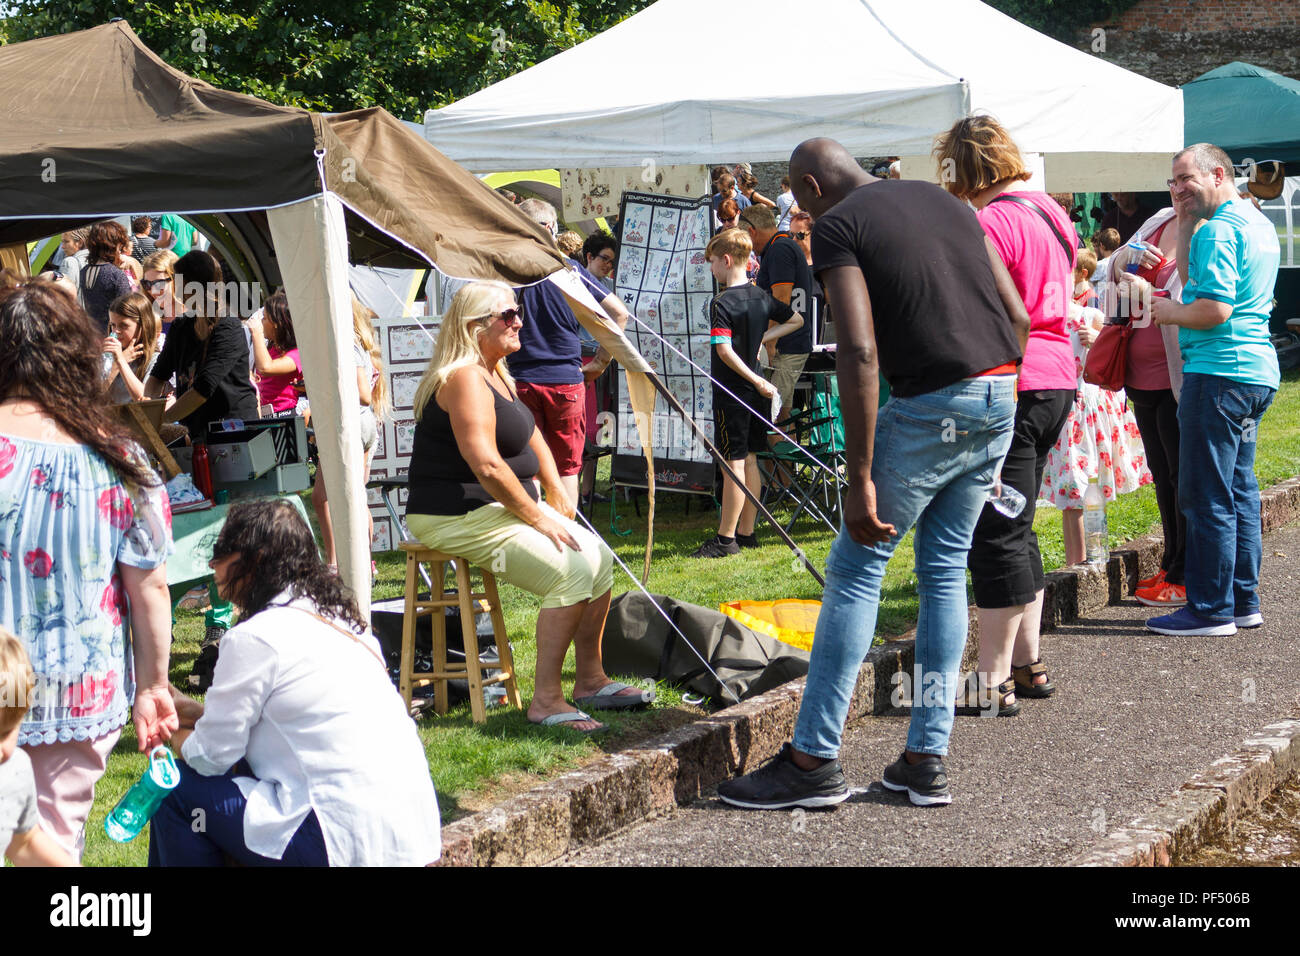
(791, 621)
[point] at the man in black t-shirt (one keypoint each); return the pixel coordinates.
(783, 271)
(741, 320)
(919, 293)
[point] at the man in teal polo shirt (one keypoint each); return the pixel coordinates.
(1228, 254)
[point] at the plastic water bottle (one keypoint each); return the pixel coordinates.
(106, 360)
(1136, 248)
(1006, 501)
(138, 804)
(1094, 523)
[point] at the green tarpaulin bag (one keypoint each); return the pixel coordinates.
(640, 642)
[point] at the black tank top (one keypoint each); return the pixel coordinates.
(441, 482)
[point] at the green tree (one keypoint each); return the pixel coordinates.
(335, 55)
(1061, 19)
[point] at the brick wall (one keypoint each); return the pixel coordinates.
(1174, 41)
(1207, 16)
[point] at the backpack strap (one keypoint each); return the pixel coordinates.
(1012, 197)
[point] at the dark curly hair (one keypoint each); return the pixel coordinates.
(597, 243)
(277, 552)
(50, 354)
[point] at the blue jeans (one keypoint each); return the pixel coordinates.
(935, 459)
(1217, 492)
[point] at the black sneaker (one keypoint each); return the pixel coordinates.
(205, 664)
(926, 783)
(747, 540)
(779, 784)
(716, 548)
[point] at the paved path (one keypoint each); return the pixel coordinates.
(1134, 715)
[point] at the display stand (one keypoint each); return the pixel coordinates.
(144, 420)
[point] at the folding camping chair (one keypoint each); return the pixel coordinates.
(809, 472)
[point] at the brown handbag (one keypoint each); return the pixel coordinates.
(1107, 363)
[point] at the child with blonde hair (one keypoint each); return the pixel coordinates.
(25, 843)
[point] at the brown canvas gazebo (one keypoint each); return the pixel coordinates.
(96, 125)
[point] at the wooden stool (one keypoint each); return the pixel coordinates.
(439, 599)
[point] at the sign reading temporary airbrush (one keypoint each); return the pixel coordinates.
(664, 281)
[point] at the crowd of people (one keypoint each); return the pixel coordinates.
(974, 329)
(975, 303)
(83, 586)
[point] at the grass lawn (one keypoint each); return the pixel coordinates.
(474, 766)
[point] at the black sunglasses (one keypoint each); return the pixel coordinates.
(509, 316)
(801, 235)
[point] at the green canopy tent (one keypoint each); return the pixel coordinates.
(1251, 112)
(1254, 114)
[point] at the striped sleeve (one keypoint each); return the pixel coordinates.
(719, 324)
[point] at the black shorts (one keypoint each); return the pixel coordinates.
(1006, 566)
(739, 431)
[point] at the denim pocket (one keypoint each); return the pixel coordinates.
(920, 450)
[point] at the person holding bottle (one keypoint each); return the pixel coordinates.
(1153, 381)
(302, 753)
(1036, 241)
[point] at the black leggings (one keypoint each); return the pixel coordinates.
(1006, 567)
(1157, 420)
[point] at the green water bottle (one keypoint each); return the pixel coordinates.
(138, 804)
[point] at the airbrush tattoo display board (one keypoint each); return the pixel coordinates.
(665, 283)
(406, 342)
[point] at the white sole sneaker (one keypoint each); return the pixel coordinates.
(919, 799)
(812, 803)
(1150, 603)
(1249, 620)
(1227, 629)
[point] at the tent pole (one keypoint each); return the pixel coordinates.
(676, 406)
(311, 244)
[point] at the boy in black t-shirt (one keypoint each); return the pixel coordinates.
(741, 319)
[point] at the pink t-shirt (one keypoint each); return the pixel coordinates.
(1045, 280)
(1148, 365)
(277, 390)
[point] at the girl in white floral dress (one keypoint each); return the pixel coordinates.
(1099, 438)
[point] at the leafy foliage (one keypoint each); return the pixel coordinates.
(1061, 19)
(335, 55)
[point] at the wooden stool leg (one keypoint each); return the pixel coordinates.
(470, 632)
(439, 626)
(503, 640)
(408, 634)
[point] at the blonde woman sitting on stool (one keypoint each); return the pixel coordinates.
(475, 468)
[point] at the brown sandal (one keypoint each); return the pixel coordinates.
(1026, 674)
(974, 704)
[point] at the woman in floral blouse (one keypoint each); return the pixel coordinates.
(84, 526)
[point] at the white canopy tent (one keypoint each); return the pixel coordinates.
(881, 76)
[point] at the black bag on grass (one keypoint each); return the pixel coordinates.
(386, 624)
(639, 641)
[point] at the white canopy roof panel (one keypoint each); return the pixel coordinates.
(881, 76)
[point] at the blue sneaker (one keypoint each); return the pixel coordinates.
(1185, 622)
(1249, 619)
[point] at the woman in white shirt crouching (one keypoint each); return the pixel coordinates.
(302, 753)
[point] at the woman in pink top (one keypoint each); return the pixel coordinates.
(1035, 239)
(275, 356)
(1154, 378)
